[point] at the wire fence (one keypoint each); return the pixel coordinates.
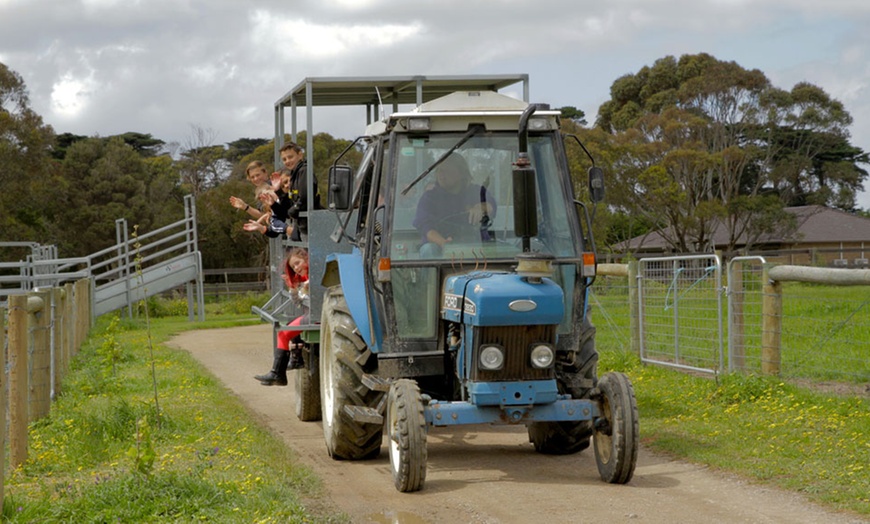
(821, 332)
(609, 305)
(826, 332)
(40, 332)
(680, 314)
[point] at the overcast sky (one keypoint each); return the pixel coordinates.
(102, 67)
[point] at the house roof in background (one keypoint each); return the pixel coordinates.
(816, 225)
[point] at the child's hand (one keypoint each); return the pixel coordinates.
(253, 225)
(238, 203)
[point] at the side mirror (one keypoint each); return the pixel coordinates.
(596, 184)
(340, 190)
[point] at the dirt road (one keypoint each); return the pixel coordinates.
(492, 474)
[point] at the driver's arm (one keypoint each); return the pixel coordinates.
(475, 212)
(436, 237)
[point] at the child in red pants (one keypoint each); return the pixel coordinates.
(296, 277)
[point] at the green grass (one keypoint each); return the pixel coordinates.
(757, 427)
(825, 329)
(766, 428)
(214, 463)
(103, 455)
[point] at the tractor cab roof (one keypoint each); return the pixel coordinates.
(374, 94)
(457, 111)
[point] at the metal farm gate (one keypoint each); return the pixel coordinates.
(680, 310)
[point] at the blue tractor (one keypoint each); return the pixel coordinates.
(491, 326)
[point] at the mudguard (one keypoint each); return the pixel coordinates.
(347, 270)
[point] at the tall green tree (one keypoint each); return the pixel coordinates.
(242, 147)
(143, 143)
(202, 164)
(25, 162)
(102, 181)
(573, 114)
(62, 143)
(703, 142)
(814, 162)
(164, 190)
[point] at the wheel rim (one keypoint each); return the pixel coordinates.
(604, 442)
(393, 435)
(326, 375)
(297, 404)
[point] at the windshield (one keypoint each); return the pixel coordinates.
(464, 207)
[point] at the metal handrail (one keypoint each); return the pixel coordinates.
(112, 264)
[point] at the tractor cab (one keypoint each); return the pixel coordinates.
(451, 166)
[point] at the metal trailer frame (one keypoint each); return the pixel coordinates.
(371, 92)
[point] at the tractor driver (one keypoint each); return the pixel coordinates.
(453, 209)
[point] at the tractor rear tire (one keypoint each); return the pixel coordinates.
(307, 383)
(617, 432)
(344, 359)
(580, 376)
(576, 378)
(406, 432)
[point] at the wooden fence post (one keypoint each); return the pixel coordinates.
(74, 318)
(18, 380)
(2, 407)
(56, 354)
(68, 318)
(771, 324)
(40, 379)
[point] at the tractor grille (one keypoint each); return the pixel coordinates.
(517, 342)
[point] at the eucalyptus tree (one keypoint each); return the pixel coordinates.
(25, 162)
(704, 142)
(103, 180)
(202, 163)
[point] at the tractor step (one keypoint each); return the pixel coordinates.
(364, 415)
(376, 383)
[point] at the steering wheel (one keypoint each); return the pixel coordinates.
(457, 225)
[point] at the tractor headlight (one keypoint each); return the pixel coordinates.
(491, 358)
(542, 356)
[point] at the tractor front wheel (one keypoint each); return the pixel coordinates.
(616, 430)
(406, 430)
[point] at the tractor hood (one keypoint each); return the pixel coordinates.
(488, 298)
